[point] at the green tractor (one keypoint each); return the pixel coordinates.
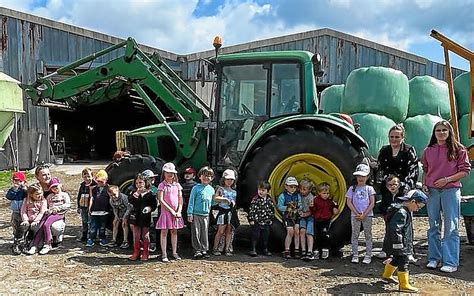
(262, 121)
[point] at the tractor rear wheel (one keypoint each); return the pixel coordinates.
(305, 151)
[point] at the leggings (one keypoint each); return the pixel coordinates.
(46, 229)
(139, 232)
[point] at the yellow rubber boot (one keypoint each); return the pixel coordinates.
(405, 286)
(388, 274)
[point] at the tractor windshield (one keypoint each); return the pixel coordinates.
(250, 95)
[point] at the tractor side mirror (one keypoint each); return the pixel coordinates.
(317, 68)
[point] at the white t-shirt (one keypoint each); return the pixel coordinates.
(361, 198)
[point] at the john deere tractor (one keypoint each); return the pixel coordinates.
(263, 120)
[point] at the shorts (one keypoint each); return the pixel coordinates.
(308, 224)
(291, 222)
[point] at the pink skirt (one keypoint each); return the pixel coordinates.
(168, 221)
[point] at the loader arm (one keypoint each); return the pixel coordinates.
(134, 75)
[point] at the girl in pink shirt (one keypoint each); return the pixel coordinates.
(171, 200)
(33, 209)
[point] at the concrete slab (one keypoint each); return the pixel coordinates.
(73, 169)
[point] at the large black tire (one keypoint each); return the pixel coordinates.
(321, 141)
(123, 172)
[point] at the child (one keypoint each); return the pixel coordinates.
(83, 196)
(188, 184)
(306, 221)
(150, 175)
(99, 206)
(121, 208)
(361, 200)
(171, 200)
(400, 236)
(32, 209)
(199, 207)
(260, 217)
(226, 197)
(392, 183)
(289, 203)
(143, 202)
(58, 204)
(323, 210)
(16, 194)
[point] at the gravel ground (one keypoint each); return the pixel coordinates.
(73, 269)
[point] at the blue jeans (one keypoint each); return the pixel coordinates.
(97, 223)
(85, 219)
(447, 201)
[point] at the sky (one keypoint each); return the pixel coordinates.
(187, 26)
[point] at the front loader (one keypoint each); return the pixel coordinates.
(262, 122)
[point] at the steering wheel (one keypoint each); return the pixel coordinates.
(247, 111)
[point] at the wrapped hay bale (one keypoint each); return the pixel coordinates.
(331, 98)
(378, 90)
(429, 95)
(374, 129)
(418, 131)
(464, 130)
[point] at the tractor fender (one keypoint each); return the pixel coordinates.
(336, 124)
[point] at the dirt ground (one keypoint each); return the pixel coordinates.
(73, 269)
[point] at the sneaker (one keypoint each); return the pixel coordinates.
(197, 255)
(381, 255)
(309, 256)
(253, 253)
(266, 253)
(124, 245)
(286, 254)
(45, 250)
(229, 253)
(176, 257)
(112, 244)
(367, 260)
(432, 264)
(16, 249)
(355, 259)
(31, 251)
(206, 255)
(297, 254)
(325, 254)
(152, 247)
(412, 259)
(90, 243)
(303, 254)
(103, 243)
(165, 260)
(448, 269)
(216, 253)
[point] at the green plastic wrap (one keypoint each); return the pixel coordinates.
(462, 87)
(418, 131)
(374, 129)
(429, 95)
(331, 98)
(378, 90)
(463, 125)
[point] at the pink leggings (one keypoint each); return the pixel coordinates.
(45, 229)
(139, 232)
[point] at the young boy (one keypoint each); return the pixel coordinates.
(188, 184)
(289, 204)
(199, 207)
(150, 176)
(83, 195)
(98, 209)
(121, 208)
(261, 217)
(306, 221)
(16, 195)
(323, 210)
(400, 235)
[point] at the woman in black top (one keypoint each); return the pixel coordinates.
(398, 159)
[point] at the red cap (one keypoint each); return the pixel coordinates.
(190, 170)
(20, 176)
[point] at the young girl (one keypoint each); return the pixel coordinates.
(143, 202)
(33, 209)
(361, 200)
(198, 212)
(58, 203)
(121, 208)
(83, 196)
(226, 198)
(171, 200)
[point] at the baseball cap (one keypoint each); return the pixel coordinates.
(229, 174)
(362, 170)
(415, 194)
(291, 181)
(101, 175)
(190, 170)
(169, 167)
(54, 182)
(20, 176)
(149, 174)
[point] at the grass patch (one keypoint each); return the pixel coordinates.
(6, 179)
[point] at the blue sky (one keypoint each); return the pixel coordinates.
(185, 26)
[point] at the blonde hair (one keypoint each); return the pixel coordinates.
(307, 183)
(86, 170)
(112, 188)
(31, 190)
(324, 186)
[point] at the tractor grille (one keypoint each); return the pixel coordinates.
(137, 145)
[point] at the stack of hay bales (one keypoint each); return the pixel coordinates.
(331, 99)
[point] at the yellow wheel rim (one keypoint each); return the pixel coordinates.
(314, 167)
(125, 185)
